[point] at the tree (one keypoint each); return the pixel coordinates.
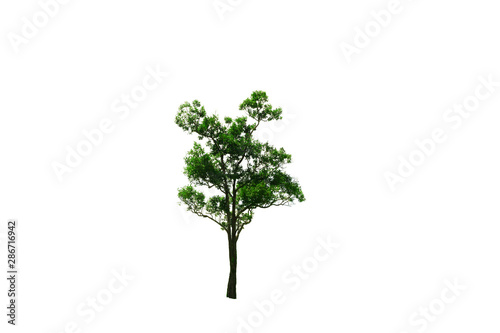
(246, 173)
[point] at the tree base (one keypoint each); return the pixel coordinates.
(231, 290)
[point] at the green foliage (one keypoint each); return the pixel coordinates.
(248, 174)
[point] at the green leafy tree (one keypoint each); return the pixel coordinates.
(246, 173)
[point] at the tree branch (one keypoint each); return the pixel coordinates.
(207, 216)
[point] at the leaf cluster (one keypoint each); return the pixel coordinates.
(248, 174)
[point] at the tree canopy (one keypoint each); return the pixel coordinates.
(248, 174)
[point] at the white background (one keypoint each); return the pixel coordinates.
(348, 124)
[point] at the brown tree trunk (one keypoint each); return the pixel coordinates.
(231, 285)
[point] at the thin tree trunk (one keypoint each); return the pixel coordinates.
(231, 285)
